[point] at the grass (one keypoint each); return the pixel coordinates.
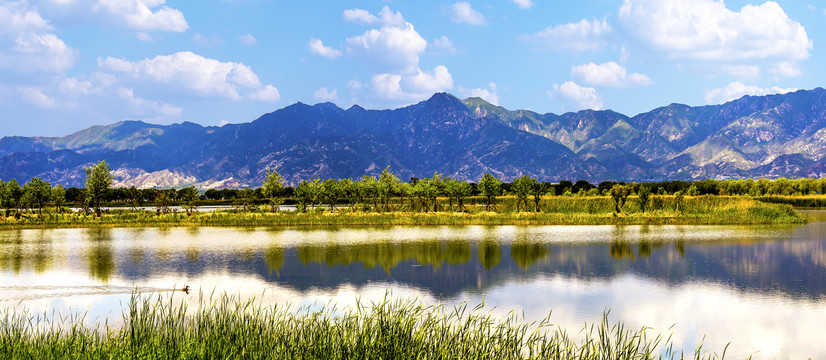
(228, 328)
(700, 210)
(799, 201)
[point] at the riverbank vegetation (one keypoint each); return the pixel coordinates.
(386, 200)
(226, 327)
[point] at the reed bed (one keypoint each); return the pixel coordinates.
(700, 210)
(228, 328)
(802, 201)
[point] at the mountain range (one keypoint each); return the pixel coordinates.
(755, 136)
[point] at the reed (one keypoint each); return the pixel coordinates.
(699, 210)
(228, 328)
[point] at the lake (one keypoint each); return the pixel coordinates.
(761, 288)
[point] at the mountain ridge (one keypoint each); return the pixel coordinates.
(754, 136)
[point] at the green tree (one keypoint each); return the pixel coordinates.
(332, 191)
(135, 197)
(387, 186)
(302, 195)
(619, 193)
(38, 192)
(457, 190)
(189, 195)
(539, 189)
(2, 195)
(12, 195)
(491, 188)
(98, 181)
(162, 200)
(370, 190)
(246, 199)
(644, 198)
(273, 187)
(435, 188)
(58, 197)
(522, 187)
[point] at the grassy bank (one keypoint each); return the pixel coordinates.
(800, 201)
(398, 329)
(699, 210)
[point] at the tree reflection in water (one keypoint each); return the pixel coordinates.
(100, 255)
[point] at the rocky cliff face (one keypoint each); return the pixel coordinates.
(769, 136)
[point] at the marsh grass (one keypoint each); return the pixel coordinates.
(700, 210)
(228, 328)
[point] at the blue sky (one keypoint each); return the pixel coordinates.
(69, 64)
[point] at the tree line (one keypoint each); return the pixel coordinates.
(382, 193)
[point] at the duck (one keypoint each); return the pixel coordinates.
(186, 289)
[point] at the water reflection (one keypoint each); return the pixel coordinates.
(578, 271)
(100, 255)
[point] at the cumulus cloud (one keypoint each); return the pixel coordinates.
(576, 96)
(523, 4)
(317, 47)
(26, 45)
(324, 94)
(580, 36)
(462, 12)
(203, 76)
(489, 94)
(609, 74)
(247, 39)
(36, 97)
(736, 90)
(389, 48)
(143, 15)
(705, 30)
(418, 86)
(267, 94)
(386, 17)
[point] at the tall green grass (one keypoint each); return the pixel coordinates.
(228, 328)
(699, 210)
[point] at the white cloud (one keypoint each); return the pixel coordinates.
(36, 97)
(580, 36)
(142, 36)
(317, 47)
(811, 7)
(323, 94)
(705, 30)
(27, 46)
(444, 44)
(736, 90)
(464, 13)
(140, 106)
(523, 4)
(786, 69)
(488, 94)
(208, 41)
(609, 74)
(267, 94)
(438, 79)
(143, 15)
(576, 96)
(203, 76)
(390, 48)
(247, 39)
(416, 87)
(364, 17)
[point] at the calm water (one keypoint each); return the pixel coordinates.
(761, 288)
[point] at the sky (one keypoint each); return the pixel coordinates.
(66, 65)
